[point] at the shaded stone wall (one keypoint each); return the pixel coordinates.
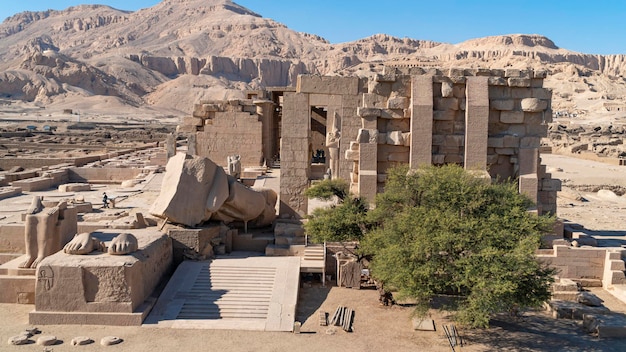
(226, 128)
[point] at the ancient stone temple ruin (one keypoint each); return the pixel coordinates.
(80, 265)
(488, 121)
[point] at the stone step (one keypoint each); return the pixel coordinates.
(233, 292)
(565, 295)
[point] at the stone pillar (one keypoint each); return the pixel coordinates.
(368, 164)
(350, 125)
(170, 145)
(265, 110)
(421, 121)
(529, 185)
(476, 123)
(528, 161)
(192, 144)
(294, 155)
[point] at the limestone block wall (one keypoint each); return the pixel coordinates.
(489, 120)
(577, 263)
(224, 128)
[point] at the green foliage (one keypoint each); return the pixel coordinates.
(444, 231)
(326, 189)
(341, 223)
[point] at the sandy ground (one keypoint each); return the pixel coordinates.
(601, 213)
(376, 328)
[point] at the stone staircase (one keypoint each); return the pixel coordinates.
(228, 293)
(233, 292)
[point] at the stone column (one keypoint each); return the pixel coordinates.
(192, 144)
(368, 164)
(421, 121)
(265, 110)
(170, 145)
(294, 155)
(476, 123)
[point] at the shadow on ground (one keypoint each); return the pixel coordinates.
(310, 300)
(537, 331)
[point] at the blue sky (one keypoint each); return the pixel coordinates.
(594, 27)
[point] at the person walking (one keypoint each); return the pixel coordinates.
(105, 200)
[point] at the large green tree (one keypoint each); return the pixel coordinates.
(441, 230)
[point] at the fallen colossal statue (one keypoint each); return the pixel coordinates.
(84, 243)
(195, 190)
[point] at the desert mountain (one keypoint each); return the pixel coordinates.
(179, 51)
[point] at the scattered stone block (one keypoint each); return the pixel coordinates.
(323, 318)
(423, 324)
(18, 340)
(110, 340)
(46, 340)
(589, 299)
(81, 341)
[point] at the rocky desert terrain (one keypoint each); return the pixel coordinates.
(157, 62)
(169, 56)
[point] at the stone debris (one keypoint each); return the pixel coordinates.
(18, 340)
(110, 340)
(33, 331)
(81, 340)
(605, 326)
(297, 326)
(46, 340)
(423, 324)
(589, 299)
(323, 318)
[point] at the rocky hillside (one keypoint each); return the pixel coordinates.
(179, 51)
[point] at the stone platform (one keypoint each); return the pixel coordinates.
(231, 292)
(17, 285)
(100, 288)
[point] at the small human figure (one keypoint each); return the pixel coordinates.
(105, 200)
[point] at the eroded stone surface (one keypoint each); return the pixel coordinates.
(18, 340)
(46, 340)
(81, 340)
(110, 340)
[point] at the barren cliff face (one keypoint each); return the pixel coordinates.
(180, 51)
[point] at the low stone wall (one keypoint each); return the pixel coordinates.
(576, 263)
(7, 192)
(97, 175)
